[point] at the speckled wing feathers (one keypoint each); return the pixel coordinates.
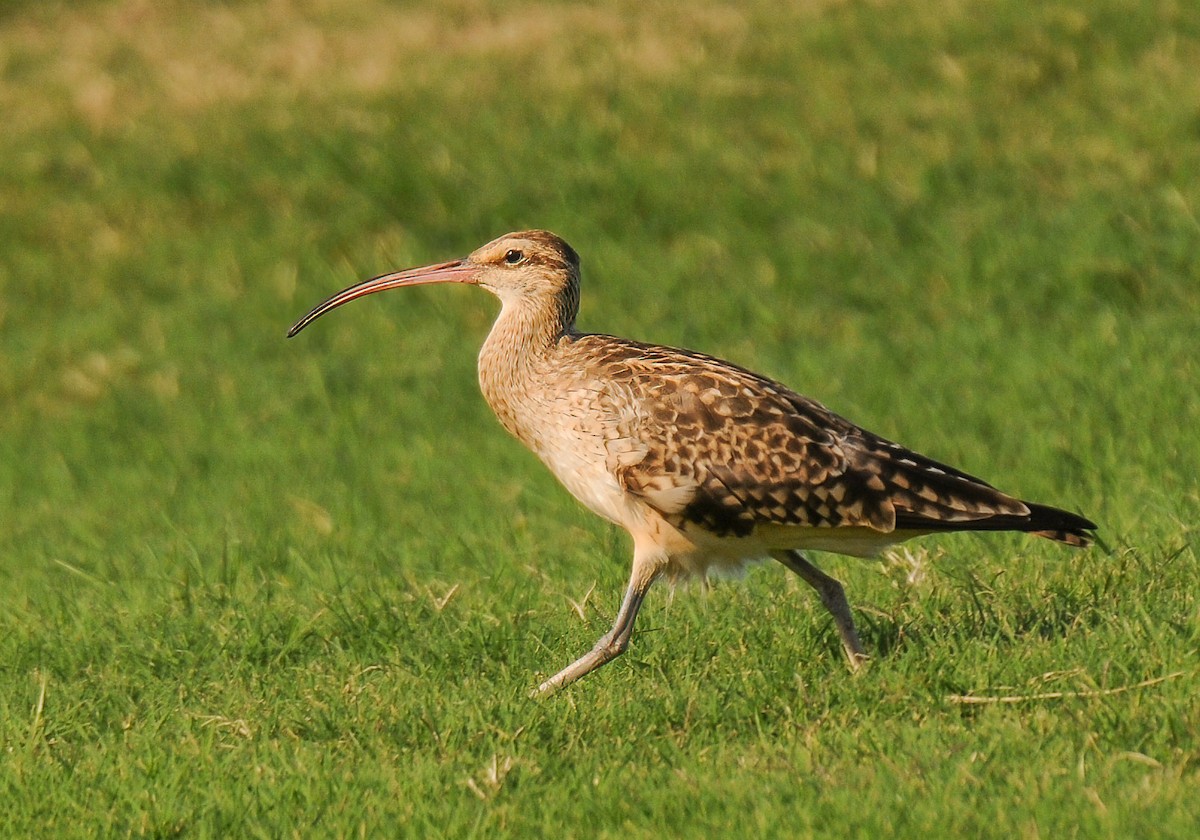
(712, 445)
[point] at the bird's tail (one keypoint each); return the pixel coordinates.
(929, 496)
(1060, 525)
(1042, 521)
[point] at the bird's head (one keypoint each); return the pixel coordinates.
(534, 267)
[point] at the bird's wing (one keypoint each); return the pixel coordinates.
(708, 443)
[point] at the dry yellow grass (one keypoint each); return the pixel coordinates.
(113, 63)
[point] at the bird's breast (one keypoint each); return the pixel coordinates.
(571, 420)
(571, 434)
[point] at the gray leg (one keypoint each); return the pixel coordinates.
(833, 596)
(613, 643)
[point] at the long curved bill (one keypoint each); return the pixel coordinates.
(456, 271)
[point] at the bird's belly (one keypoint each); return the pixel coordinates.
(730, 555)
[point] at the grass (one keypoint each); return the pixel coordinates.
(253, 587)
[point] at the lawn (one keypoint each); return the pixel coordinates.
(267, 588)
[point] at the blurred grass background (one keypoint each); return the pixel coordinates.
(223, 556)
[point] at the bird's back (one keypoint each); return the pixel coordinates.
(711, 445)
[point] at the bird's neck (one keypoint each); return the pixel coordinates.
(515, 359)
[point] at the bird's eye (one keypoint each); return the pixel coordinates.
(514, 256)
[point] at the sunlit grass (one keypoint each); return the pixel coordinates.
(259, 587)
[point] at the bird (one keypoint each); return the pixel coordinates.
(708, 466)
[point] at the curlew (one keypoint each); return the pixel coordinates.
(707, 465)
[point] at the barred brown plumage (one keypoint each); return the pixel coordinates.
(706, 464)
